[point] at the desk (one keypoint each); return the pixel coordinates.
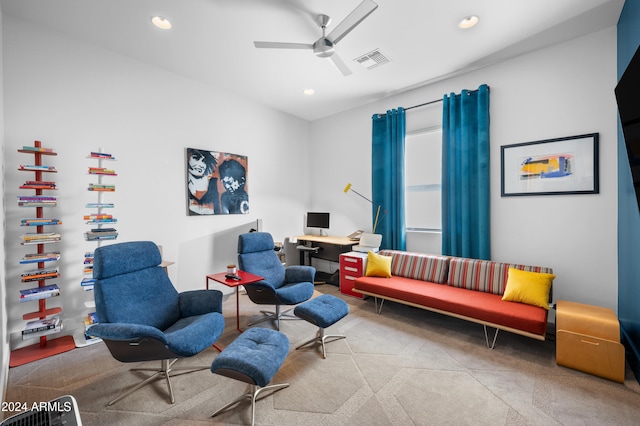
(245, 278)
(329, 247)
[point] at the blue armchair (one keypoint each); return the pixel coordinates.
(142, 317)
(281, 286)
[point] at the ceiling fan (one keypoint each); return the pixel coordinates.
(324, 47)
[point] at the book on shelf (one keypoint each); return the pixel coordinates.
(36, 168)
(40, 257)
(100, 218)
(45, 237)
(96, 237)
(40, 274)
(89, 320)
(87, 282)
(101, 234)
(36, 201)
(101, 187)
(35, 184)
(99, 205)
(35, 326)
(36, 148)
(102, 171)
(56, 329)
(95, 221)
(88, 263)
(40, 222)
(101, 155)
(36, 204)
(97, 216)
(38, 293)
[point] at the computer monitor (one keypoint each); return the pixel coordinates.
(318, 220)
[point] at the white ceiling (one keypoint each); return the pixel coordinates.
(212, 41)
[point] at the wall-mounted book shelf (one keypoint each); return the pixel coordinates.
(102, 228)
(37, 280)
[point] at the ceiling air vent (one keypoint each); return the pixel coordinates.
(372, 59)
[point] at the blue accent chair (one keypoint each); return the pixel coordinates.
(281, 286)
(141, 315)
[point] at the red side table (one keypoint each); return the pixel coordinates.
(245, 278)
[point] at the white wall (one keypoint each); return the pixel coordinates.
(76, 98)
(560, 91)
(4, 341)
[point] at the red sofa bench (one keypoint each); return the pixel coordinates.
(468, 289)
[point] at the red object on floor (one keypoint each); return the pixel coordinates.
(37, 352)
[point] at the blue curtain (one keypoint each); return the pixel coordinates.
(465, 174)
(387, 177)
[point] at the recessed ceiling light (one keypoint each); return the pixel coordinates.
(468, 22)
(309, 92)
(161, 22)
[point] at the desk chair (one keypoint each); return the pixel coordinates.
(142, 317)
(281, 285)
(291, 253)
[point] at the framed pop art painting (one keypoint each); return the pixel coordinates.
(566, 165)
(216, 183)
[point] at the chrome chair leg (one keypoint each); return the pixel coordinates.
(276, 317)
(322, 339)
(164, 371)
(252, 394)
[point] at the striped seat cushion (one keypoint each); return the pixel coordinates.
(484, 275)
(419, 266)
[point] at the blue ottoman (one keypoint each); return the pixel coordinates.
(254, 357)
(323, 311)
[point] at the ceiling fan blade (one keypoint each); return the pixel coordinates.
(342, 67)
(278, 45)
(358, 15)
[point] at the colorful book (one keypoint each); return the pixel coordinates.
(102, 171)
(39, 274)
(41, 325)
(37, 293)
(100, 187)
(57, 329)
(97, 216)
(36, 148)
(40, 257)
(46, 237)
(102, 155)
(35, 168)
(40, 222)
(87, 282)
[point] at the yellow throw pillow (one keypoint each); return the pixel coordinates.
(527, 287)
(378, 265)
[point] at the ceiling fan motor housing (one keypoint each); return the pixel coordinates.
(323, 48)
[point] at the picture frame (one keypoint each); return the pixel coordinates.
(216, 183)
(561, 166)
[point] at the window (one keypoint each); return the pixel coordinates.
(423, 169)
(423, 166)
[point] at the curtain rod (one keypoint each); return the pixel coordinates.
(433, 102)
(426, 103)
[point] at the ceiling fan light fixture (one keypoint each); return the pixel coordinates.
(468, 22)
(161, 22)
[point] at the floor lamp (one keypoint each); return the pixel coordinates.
(375, 223)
